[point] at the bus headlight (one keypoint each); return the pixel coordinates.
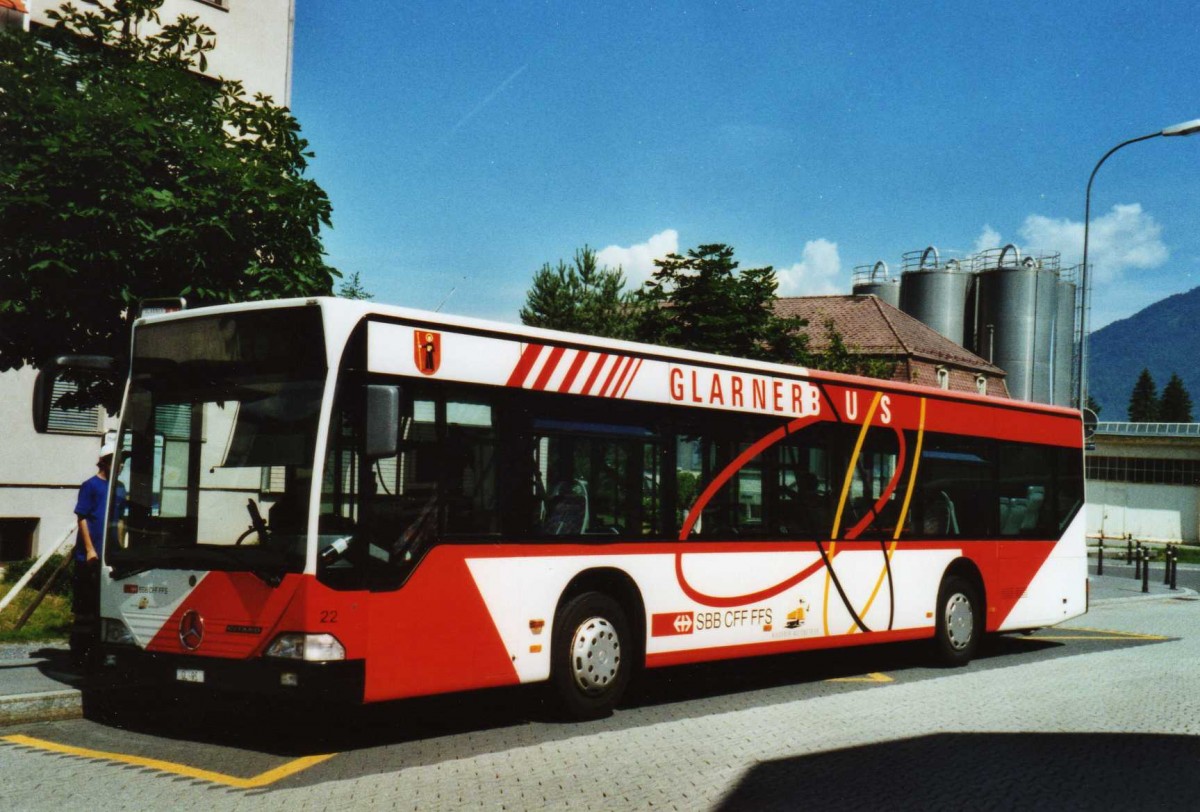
(313, 648)
(116, 633)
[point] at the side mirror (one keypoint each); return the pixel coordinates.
(383, 421)
(43, 387)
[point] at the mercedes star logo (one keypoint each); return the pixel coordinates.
(191, 630)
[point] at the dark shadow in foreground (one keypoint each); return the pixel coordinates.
(983, 770)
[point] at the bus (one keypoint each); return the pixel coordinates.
(337, 500)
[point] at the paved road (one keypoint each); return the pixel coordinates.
(1069, 718)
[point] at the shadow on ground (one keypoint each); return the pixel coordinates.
(501, 718)
(983, 770)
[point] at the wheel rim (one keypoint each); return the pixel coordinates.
(960, 621)
(595, 655)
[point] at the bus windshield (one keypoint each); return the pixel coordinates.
(219, 432)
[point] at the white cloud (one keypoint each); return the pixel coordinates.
(1124, 238)
(818, 272)
(638, 260)
(988, 238)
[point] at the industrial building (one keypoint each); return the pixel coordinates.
(1018, 313)
(1143, 482)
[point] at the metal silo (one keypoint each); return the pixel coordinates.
(1018, 304)
(1064, 341)
(935, 293)
(874, 280)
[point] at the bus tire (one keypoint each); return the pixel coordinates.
(959, 625)
(592, 655)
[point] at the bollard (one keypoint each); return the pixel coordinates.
(1167, 565)
(1100, 558)
(1145, 569)
(1137, 562)
(1128, 551)
(1174, 567)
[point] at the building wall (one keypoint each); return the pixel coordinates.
(254, 39)
(1150, 501)
(40, 474)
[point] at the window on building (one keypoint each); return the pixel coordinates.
(981, 384)
(16, 539)
(73, 421)
(943, 378)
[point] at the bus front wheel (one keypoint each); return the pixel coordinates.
(592, 651)
(959, 621)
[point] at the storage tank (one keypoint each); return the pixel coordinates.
(1064, 342)
(935, 294)
(1018, 303)
(875, 280)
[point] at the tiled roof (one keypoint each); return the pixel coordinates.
(870, 326)
(15, 5)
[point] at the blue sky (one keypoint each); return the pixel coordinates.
(465, 144)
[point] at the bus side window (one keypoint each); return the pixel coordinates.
(469, 460)
(602, 485)
(956, 488)
(1026, 490)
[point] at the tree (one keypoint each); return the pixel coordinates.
(125, 176)
(1175, 406)
(1093, 405)
(1143, 401)
(352, 288)
(702, 302)
(581, 297)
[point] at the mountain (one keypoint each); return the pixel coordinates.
(1164, 338)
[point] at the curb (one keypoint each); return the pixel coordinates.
(1182, 592)
(45, 706)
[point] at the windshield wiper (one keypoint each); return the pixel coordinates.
(270, 577)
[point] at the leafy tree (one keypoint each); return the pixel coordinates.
(352, 288)
(125, 176)
(702, 302)
(1143, 401)
(582, 297)
(838, 356)
(1175, 406)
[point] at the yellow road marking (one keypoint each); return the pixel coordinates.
(254, 782)
(874, 676)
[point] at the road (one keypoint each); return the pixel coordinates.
(1099, 713)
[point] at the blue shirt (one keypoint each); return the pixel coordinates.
(90, 507)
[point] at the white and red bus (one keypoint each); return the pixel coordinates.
(438, 504)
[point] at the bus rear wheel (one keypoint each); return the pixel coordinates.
(592, 656)
(959, 622)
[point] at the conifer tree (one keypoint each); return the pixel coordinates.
(1175, 406)
(1143, 401)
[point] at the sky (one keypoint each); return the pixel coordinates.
(465, 144)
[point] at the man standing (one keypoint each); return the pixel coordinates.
(89, 546)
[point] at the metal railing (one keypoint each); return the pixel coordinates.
(1149, 429)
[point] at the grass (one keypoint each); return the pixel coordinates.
(51, 621)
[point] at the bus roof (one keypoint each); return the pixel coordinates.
(342, 315)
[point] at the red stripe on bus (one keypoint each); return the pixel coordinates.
(551, 364)
(700, 655)
(528, 357)
(620, 384)
(587, 387)
(621, 360)
(573, 372)
(636, 368)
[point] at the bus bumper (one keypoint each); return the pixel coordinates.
(340, 681)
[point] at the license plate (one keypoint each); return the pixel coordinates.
(189, 675)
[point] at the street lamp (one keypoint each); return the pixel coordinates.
(1186, 128)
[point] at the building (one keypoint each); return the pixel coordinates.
(871, 327)
(1142, 482)
(254, 38)
(40, 474)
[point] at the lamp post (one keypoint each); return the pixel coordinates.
(1186, 128)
